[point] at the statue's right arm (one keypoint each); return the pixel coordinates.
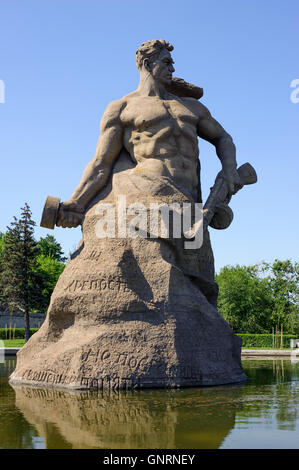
(97, 172)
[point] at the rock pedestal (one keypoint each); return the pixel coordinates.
(133, 312)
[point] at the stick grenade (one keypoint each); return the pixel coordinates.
(216, 212)
(50, 213)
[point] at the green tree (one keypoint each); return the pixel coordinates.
(50, 263)
(283, 279)
(21, 282)
(49, 247)
(2, 235)
(245, 300)
(255, 299)
(50, 269)
(1, 249)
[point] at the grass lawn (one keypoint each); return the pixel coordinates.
(13, 343)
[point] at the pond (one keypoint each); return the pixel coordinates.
(261, 413)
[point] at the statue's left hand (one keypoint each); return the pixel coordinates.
(233, 180)
(70, 215)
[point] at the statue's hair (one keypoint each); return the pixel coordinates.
(151, 48)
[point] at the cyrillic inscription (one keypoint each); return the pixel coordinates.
(112, 284)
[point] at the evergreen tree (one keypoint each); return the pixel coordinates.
(1, 249)
(2, 235)
(21, 282)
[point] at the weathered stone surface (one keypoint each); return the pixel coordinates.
(132, 312)
(139, 312)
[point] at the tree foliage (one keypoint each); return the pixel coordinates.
(50, 262)
(49, 248)
(50, 269)
(283, 279)
(29, 270)
(255, 299)
(2, 235)
(21, 284)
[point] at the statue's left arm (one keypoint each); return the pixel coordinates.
(209, 129)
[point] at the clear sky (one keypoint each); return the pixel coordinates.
(63, 61)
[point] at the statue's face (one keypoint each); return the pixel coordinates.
(162, 67)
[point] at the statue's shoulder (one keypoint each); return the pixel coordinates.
(117, 106)
(131, 97)
(195, 104)
(112, 114)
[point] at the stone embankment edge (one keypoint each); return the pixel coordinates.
(270, 353)
(10, 351)
(245, 352)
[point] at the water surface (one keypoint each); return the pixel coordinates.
(262, 413)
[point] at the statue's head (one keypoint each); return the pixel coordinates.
(154, 57)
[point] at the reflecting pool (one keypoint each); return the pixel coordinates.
(262, 413)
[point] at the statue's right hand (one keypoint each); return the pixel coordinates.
(69, 215)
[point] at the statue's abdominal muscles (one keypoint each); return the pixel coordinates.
(161, 137)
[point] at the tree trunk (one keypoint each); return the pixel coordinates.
(27, 325)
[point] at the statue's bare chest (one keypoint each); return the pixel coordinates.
(148, 111)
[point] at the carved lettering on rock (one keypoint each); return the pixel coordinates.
(109, 283)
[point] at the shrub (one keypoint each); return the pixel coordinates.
(264, 341)
(19, 333)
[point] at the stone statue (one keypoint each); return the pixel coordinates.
(141, 311)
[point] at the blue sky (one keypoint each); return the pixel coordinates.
(63, 61)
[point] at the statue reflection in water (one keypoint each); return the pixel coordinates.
(138, 420)
(163, 419)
